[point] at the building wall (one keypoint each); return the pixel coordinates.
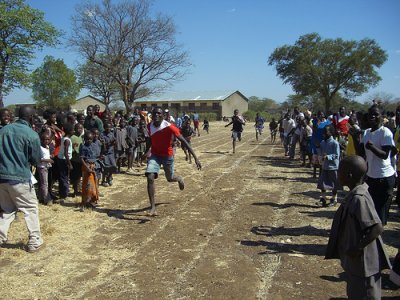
(234, 101)
(83, 103)
(220, 107)
(203, 106)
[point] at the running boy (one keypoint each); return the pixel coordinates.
(187, 132)
(355, 235)
(259, 125)
(161, 137)
(237, 128)
(206, 125)
(273, 128)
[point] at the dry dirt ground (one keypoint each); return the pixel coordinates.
(245, 227)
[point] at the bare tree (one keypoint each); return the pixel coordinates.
(138, 50)
(99, 81)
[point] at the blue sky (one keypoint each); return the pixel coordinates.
(229, 42)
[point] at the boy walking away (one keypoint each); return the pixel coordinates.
(355, 235)
(330, 154)
(196, 123)
(237, 128)
(43, 170)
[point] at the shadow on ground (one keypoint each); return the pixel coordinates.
(128, 214)
(297, 231)
(283, 205)
(290, 248)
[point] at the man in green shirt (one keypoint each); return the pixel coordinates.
(20, 148)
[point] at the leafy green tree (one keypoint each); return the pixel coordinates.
(23, 30)
(98, 81)
(137, 47)
(313, 66)
(54, 85)
(262, 104)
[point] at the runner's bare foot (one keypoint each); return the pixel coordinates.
(152, 213)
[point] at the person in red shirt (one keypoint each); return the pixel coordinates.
(161, 137)
(340, 121)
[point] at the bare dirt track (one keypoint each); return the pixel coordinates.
(245, 227)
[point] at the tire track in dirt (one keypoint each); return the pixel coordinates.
(226, 217)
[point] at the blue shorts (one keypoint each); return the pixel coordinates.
(236, 135)
(154, 163)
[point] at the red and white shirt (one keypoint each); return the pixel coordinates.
(162, 138)
(341, 124)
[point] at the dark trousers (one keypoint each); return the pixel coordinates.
(63, 180)
(381, 190)
(363, 288)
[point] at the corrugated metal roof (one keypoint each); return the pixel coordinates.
(188, 96)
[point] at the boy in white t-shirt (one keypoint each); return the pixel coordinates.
(376, 146)
(43, 170)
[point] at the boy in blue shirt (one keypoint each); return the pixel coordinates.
(330, 154)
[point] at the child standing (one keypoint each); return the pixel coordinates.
(76, 172)
(98, 145)
(90, 192)
(355, 235)
(108, 140)
(64, 162)
(131, 136)
(43, 170)
(121, 144)
(141, 141)
(305, 141)
(330, 154)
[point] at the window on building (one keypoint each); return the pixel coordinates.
(203, 105)
(215, 105)
(164, 105)
(192, 106)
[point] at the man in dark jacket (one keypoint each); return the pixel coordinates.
(20, 148)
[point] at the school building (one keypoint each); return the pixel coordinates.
(82, 103)
(221, 103)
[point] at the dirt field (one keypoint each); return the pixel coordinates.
(245, 227)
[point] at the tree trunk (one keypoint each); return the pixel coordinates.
(1, 100)
(1, 92)
(125, 97)
(328, 103)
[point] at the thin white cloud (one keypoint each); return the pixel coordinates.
(232, 10)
